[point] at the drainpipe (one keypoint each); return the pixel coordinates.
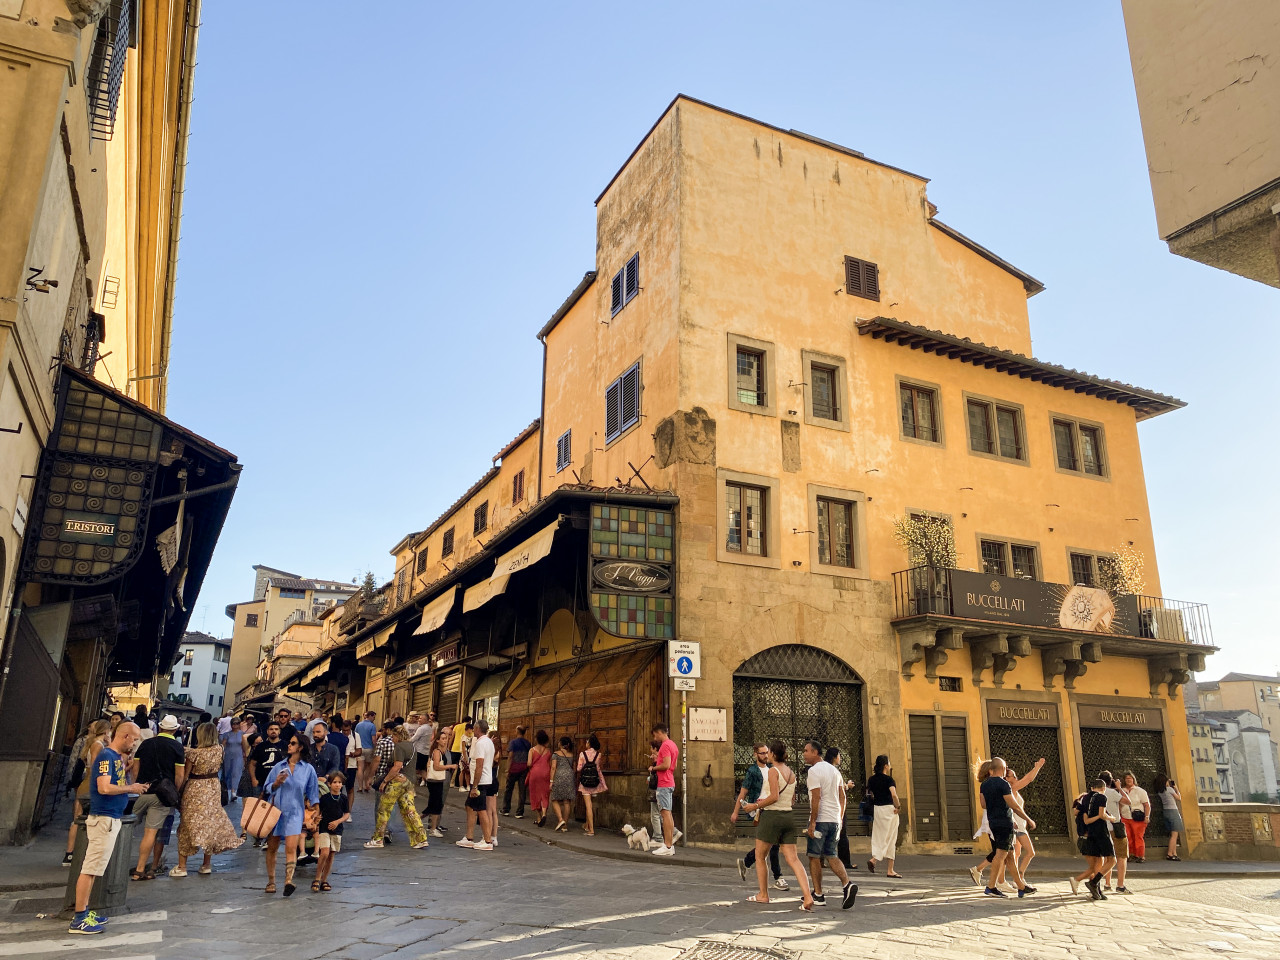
(542, 415)
(185, 95)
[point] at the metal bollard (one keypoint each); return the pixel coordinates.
(110, 889)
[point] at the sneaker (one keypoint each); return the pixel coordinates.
(504, 813)
(374, 844)
(437, 834)
(519, 816)
(421, 846)
(781, 884)
(742, 869)
(663, 851)
(1010, 886)
(493, 842)
(175, 872)
(676, 838)
(87, 925)
(257, 841)
(66, 861)
(819, 899)
(482, 846)
(1075, 885)
(1026, 891)
(976, 875)
(850, 894)
(99, 918)
(1124, 891)
(465, 842)
(993, 892)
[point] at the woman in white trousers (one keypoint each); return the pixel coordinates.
(884, 824)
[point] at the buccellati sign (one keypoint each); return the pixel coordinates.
(1022, 713)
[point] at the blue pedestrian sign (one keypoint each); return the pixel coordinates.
(684, 659)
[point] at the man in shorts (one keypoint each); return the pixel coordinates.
(1098, 849)
(108, 796)
(826, 818)
(159, 758)
(997, 794)
(334, 812)
(366, 733)
(478, 795)
(664, 765)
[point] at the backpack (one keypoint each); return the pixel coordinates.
(1080, 804)
(589, 775)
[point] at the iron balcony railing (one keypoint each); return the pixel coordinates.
(921, 591)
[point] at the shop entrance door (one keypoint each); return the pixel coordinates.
(1044, 798)
(1139, 751)
(794, 693)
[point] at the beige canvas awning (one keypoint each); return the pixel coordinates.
(483, 592)
(527, 554)
(435, 612)
(378, 640)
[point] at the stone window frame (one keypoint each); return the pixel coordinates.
(993, 403)
(1097, 555)
(841, 366)
(861, 570)
(939, 419)
(772, 524)
(1076, 424)
(769, 350)
(1009, 543)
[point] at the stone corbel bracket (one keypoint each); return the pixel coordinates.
(928, 646)
(1173, 670)
(1069, 660)
(936, 656)
(998, 653)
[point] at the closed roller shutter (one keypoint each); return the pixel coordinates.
(420, 697)
(956, 782)
(450, 691)
(926, 805)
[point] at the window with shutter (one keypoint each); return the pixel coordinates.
(861, 278)
(625, 285)
(480, 519)
(517, 487)
(564, 450)
(632, 285)
(446, 543)
(615, 294)
(622, 404)
(421, 567)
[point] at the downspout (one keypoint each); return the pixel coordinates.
(186, 87)
(542, 415)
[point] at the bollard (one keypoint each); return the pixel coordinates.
(110, 889)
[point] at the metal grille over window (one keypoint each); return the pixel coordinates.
(745, 530)
(1021, 747)
(1082, 569)
(823, 390)
(1122, 751)
(622, 404)
(1024, 562)
(993, 558)
(106, 67)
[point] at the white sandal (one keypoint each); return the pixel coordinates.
(175, 872)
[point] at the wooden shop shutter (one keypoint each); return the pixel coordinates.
(926, 807)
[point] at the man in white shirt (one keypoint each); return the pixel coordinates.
(481, 760)
(826, 819)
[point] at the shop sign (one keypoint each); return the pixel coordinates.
(982, 596)
(89, 528)
(632, 577)
(444, 656)
(1120, 718)
(418, 667)
(708, 723)
(1022, 713)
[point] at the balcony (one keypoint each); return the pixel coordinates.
(1002, 618)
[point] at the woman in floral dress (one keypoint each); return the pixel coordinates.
(204, 825)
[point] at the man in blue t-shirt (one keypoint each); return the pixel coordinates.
(108, 796)
(365, 732)
(997, 796)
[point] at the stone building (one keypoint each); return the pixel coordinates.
(780, 353)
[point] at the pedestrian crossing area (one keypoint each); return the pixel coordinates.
(130, 936)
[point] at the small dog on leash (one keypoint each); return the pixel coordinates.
(637, 839)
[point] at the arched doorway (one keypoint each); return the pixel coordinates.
(793, 692)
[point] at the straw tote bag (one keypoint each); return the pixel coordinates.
(259, 817)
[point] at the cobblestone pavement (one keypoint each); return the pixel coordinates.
(526, 900)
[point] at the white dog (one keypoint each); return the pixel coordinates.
(636, 839)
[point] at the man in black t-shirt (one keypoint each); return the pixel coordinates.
(265, 754)
(159, 758)
(1001, 805)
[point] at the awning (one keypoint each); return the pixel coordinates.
(378, 640)
(527, 554)
(318, 670)
(436, 612)
(483, 592)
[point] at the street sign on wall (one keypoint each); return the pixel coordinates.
(684, 659)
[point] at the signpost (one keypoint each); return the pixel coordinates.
(684, 666)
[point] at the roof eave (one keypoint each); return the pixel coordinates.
(1029, 283)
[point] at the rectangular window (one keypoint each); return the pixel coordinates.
(995, 557)
(480, 519)
(402, 583)
(188, 657)
(1024, 561)
(625, 285)
(950, 684)
(564, 450)
(1082, 570)
(994, 429)
(823, 389)
(214, 679)
(919, 412)
(835, 532)
(517, 487)
(1009, 429)
(293, 594)
(250, 619)
(746, 523)
(186, 678)
(622, 404)
(420, 565)
(861, 278)
(981, 439)
(1079, 447)
(223, 682)
(751, 382)
(446, 543)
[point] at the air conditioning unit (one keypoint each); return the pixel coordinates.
(1163, 624)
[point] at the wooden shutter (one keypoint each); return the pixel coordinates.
(447, 705)
(853, 276)
(955, 777)
(631, 286)
(870, 281)
(861, 278)
(615, 293)
(630, 396)
(613, 410)
(926, 806)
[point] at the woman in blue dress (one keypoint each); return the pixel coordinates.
(233, 758)
(291, 785)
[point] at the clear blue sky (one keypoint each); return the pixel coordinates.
(383, 207)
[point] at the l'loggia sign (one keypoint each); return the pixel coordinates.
(684, 659)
